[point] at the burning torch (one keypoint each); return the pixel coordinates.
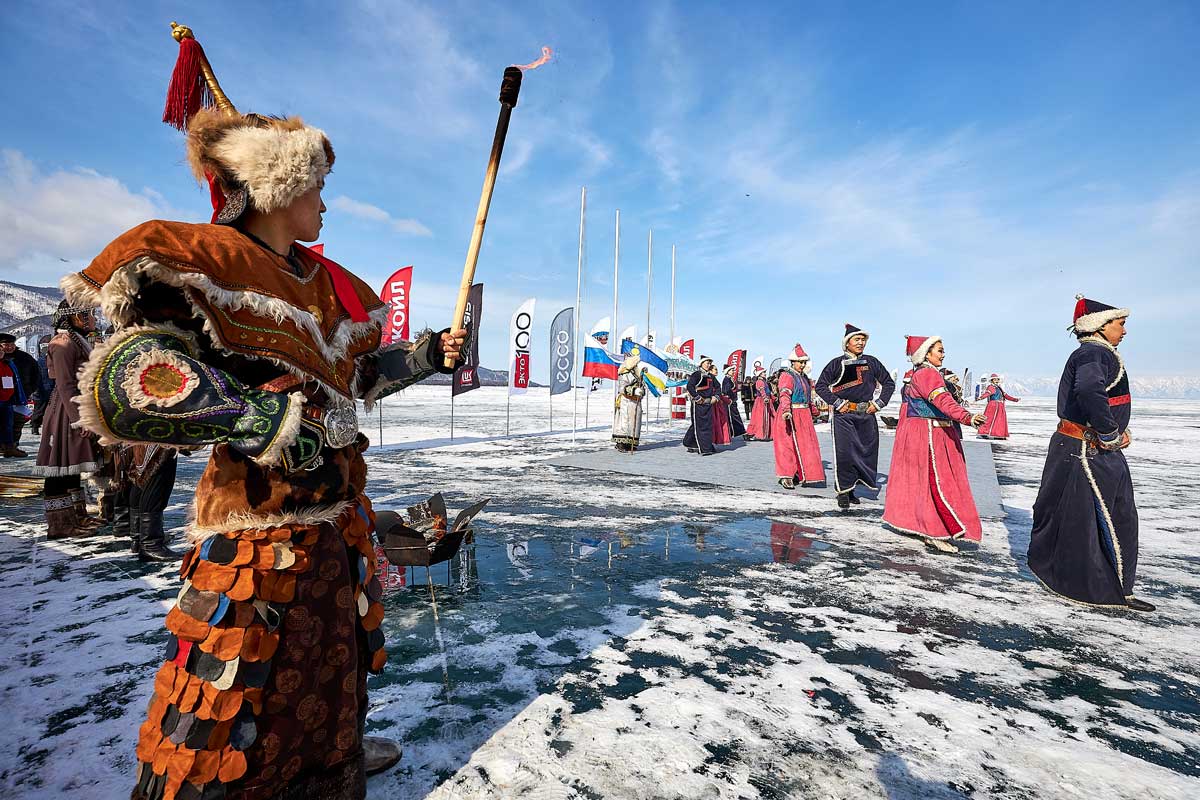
(510, 87)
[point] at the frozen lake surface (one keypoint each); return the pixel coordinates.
(612, 636)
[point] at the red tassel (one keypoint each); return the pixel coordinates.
(1080, 309)
(188, 92)
(215, 196)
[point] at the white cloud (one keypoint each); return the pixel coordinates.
(65, 214)
(371, 213)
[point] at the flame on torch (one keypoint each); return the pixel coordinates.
(547, 53)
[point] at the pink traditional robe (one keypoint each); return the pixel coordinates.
(995, 425)
(762, 412)
(797, 453)
(928, 493)
(722, 433)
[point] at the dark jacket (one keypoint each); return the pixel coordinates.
(30, 375)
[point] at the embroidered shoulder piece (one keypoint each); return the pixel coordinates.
(148, 385)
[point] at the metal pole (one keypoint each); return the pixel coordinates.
(672, 295)
(381, 422)
(649, 281)
(578, 296)
(612, 333)
(452, 413)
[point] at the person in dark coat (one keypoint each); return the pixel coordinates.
(856, 387)
(705, 395)
(42, 401)
(27, 369)
(729, 388)
(1084, 542)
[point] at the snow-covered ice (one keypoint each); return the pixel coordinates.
(612, 637)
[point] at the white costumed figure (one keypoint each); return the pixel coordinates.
(627, 416)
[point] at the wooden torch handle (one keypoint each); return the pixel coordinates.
(485, 202)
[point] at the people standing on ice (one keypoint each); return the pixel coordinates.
(67, 451)
(627, 414)
(722, 429)
(235, 335)
(856, 386)
(797, 453)
(995, 425)
(764, 407)
(704, 395)
(1084, 542)
(928, 494)
(730, 387)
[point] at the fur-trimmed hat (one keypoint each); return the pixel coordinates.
(917, 347)
(796, 354)
(1091, 316)
(852, 330)
(703, 359)
(252, 161)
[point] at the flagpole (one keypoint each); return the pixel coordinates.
(578, 295)
(380, 404)
(649, 282)
(612, 329)
(671, 341)
(672, 294)
(452, 412)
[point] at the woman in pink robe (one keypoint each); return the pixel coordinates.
(763, 411)
(928, 494)
(722, 432)
(995, 416)
(797, 453)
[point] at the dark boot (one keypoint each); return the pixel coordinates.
(152, 539)
(1138, 605)
(843, 501)
(853, 499)
(380, 754)
(122, 518)
(107, 507)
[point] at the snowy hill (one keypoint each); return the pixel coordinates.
(1168, 388)
(21, 306)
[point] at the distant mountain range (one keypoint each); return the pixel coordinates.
(26, 310)
(1176, 388)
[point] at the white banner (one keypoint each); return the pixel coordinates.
(519, 336)
(629, 333)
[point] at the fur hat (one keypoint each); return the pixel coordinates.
(252, 161)
(797, 354)
(1090, 315)
(852, 331)
(918, 347)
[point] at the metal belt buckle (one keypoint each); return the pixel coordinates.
(341, 426)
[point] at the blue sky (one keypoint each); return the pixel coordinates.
(953, 168)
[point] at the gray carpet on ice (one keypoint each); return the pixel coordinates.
(751, 465)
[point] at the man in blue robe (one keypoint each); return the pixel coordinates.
(856, 386)
(1084, 543)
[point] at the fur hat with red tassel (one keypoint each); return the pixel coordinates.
(918, 347)
(248, 160)
(1090, 315)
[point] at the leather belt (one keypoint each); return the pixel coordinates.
(1077, 431)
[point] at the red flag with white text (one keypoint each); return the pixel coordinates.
(396, 296)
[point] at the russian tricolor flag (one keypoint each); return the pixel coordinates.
(599, 364)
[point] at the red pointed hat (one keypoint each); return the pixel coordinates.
(853, 330)
(1091, 315)
(798, 354)
(918, 347)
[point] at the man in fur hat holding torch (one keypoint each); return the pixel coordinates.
(236, 336)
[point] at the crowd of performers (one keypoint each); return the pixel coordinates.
(233, 337)
(1084, 542)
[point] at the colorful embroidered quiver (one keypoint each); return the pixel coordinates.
(265, 669)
